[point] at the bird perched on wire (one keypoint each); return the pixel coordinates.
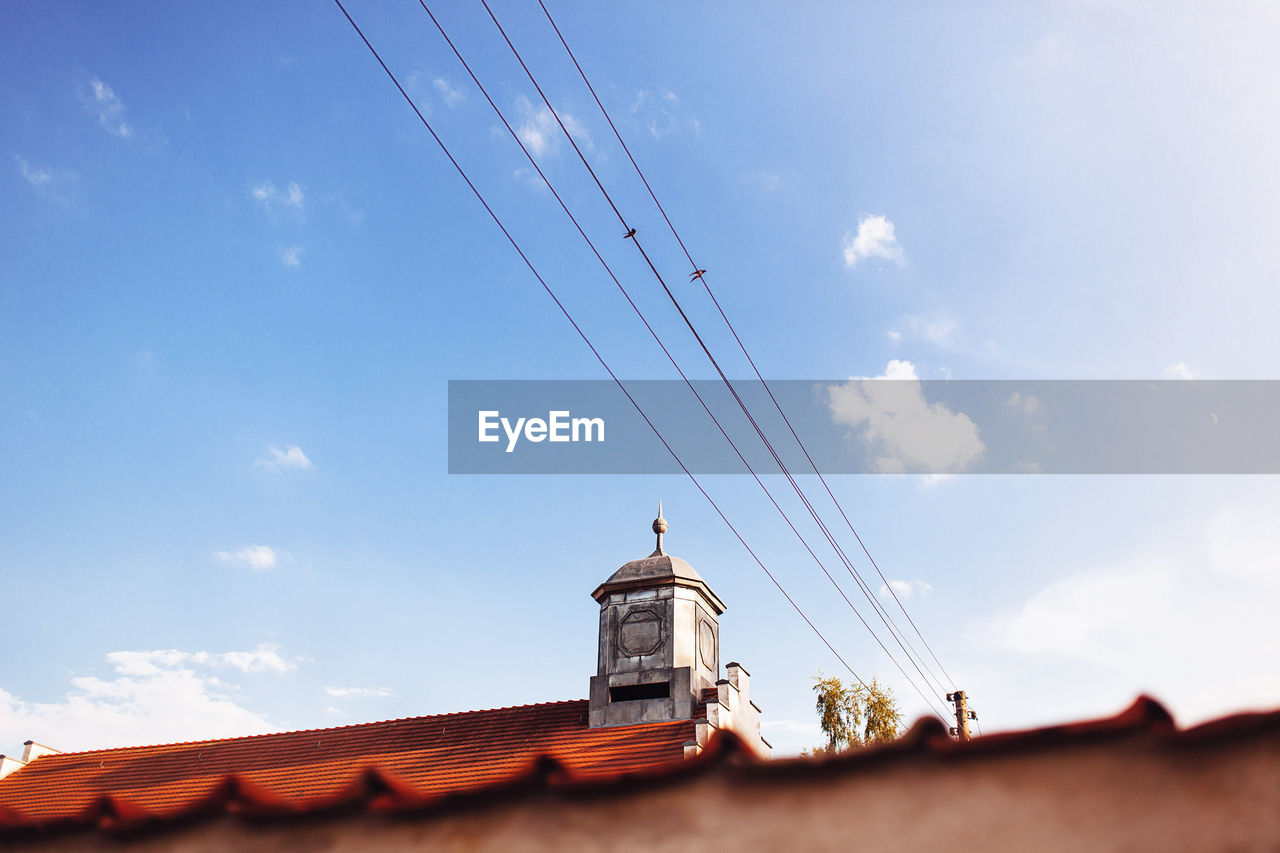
(629, 234)
(696, 274)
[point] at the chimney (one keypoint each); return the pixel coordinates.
(740, 679)
(33, 750)
(8, 765)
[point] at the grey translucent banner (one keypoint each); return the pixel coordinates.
(867, 426)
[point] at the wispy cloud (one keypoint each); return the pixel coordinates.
(662, 113)
(1184, 602)
(1033, 413)
(1025, 404)
(291, 256)
(35, 176)
(265, 658)
(767, 181)
(161, 696)
(530, 177)
(108, 107)
(875, 238)
(291, 196)
(800, 727)
(358, 692)
(905, 589)
(448, 93)
(50, 183)
(289, 457)
(938, 330)
(260, 558)
(539, 131)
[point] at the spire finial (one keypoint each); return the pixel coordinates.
(659, 527)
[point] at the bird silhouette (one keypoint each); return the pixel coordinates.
(696, 274)
(630, 233)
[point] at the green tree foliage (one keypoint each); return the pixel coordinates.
(856, 715)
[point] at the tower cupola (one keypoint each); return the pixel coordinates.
(659, 640)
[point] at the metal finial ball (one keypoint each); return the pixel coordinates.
(659, 525)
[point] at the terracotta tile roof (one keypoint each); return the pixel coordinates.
(427, 755)
(152, 789)
(708, 693)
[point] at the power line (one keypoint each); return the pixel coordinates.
(563, 310)
(715, 364)
(734, 332)
(782, 466)
(497, 110)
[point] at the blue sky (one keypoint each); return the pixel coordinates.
(225, 237)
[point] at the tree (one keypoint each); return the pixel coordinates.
(857, 715)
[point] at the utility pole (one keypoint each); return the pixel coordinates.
(960, 731)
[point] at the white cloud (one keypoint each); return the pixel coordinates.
(450, 95)
(1025, 404)
(875, 239)
(894, 335)
(1189, 617)
(358, 692)
(938, 331)
(1181, 370)
(898, 368)
(257, 557)
(541, 134)
(154, 697)
(905, 589)
(291, 256)
(291, 196)
(109, 108)
(535, 137)
(903, 432)
(263, 658)
(290, 457)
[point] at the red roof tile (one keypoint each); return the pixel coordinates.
(427, 756)
(445, 762)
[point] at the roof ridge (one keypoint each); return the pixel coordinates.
(322, 728)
